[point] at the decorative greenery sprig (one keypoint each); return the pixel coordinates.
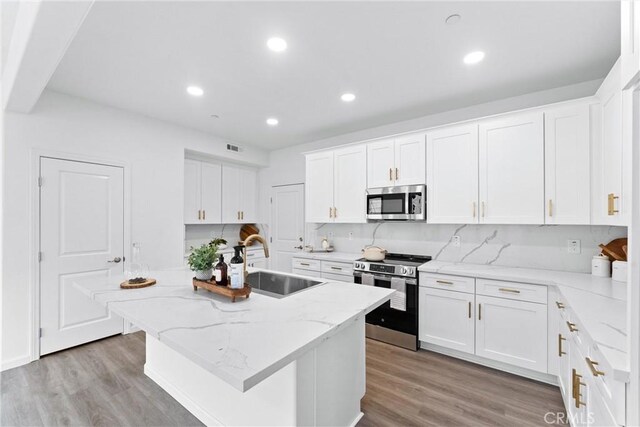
(217, 242)
(202, 258)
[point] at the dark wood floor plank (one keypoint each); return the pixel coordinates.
(103, 384)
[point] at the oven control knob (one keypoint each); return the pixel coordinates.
(403, 270)
(410, 271)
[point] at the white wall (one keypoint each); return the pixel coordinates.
(153, 149)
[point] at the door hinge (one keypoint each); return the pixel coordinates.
(39, 181)
(39, 256)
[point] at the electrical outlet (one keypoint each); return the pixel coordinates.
(351, 235)
(573, 246)
(456, 241)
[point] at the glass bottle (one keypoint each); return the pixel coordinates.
(220, 272)
(137, 271)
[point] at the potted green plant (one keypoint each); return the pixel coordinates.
(201, 261)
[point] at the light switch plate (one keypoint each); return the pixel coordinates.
(573, 246)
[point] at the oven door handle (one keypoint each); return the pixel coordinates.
(408, 280)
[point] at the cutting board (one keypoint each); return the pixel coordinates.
(247, 230)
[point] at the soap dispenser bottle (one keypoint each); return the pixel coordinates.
(236, 267)
(221, 273)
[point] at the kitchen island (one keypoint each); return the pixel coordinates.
(297, 360)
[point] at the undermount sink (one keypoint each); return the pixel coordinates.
(278, 285)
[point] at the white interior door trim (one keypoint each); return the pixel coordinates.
(34, 218)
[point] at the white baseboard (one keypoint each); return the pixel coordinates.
(15, 362)
(182, 398)
(356, 420)
(527, 373)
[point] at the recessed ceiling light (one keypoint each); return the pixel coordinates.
(272, 121)
(348, 97)
(276, 44)
(195, 91)
(474, 57)
(452, 19)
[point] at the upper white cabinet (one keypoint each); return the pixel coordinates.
(611, 169)
(239, 195)
(630, 41)
(452, 175)
(511, 170)
(202, 192)
(567, 148)
(397, 161)
(336, 183)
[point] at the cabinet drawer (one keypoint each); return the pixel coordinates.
(307, 273)
(512, 290)
(451, 283)
(337, 277)
(306, 264)
(344, 268)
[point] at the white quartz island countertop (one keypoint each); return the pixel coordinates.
(244, 342)
(599, 303)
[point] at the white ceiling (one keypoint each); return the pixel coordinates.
(400, 59)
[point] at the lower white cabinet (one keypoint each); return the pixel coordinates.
(324, 269)
(513, 332)
(447, 319)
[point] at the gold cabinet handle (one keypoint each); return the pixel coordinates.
(469, 309)
(479, 311)
(474, 209)
(305, 264)
(204, 214)
(390, 174)
(335, 212)
(550, 207)
(241, 214)
(238, 215)
(513, 291)
(397, 174)
(199, 214)
(444, 282)
(482, 209)
(576, 389)
(572, 327)
(560, 305)
(336, 268)
(592, 365)
(330, 212)
(611, 209)
(560, 339)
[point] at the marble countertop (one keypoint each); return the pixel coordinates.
(243, 342)
(599, 303)
(329, 256)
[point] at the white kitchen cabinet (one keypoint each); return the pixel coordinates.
(202, 192)
(239, 194)
(397, 161)
(452, 175)
(447, 319)
(511, 170)
(511, 331)
(336, 185)
(567, 165)
(630, 42)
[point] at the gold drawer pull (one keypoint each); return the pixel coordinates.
(397, 174)
(336, 268)
(611, 210)
(560, 339)
(576, 388)
(550, 207)
(444, 282)
(199, 214)
(474, 209)
(592, 365)
(305, 264)
(513, 291)
(560, 305)
(479, 311)
(390, 174)
(469, 309)
(572, 327)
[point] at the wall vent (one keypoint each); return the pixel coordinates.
(234, 148)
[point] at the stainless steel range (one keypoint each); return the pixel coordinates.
(396, 321)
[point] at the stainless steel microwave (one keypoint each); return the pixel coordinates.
(406, 203)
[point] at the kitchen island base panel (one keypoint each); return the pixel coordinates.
(322, 387)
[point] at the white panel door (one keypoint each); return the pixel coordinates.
(287, 225)
(211, 190)
(248, 196)
(380, 164)
(452, 175)
(350, 184)
(319, 187)
(231, 194)
(192, 194)
(511, 170)
(410, 160)
(513, 332)
(567, 165)
(447, 319)
(81, 239)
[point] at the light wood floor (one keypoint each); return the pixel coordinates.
(103, 384)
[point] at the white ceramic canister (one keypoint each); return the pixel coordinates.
(601, 266)
(619, 271)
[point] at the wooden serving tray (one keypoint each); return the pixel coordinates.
(127, 285)
(222, 290)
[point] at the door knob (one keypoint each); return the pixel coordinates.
(116, 260)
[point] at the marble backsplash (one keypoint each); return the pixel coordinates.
(532, 246)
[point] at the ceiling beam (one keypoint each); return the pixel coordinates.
(42, 33)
